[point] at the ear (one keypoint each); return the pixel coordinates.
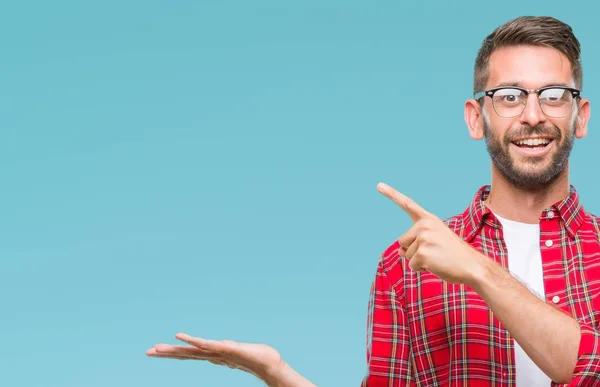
(582, 119)
(474, 119)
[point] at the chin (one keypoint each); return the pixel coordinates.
(532, 176)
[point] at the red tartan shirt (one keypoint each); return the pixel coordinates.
(423, 331)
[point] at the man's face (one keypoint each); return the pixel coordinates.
(533, 165)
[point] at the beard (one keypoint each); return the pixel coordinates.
(535, 172)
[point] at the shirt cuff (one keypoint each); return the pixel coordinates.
(588, 356)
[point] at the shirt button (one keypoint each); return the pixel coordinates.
(555, 299)
(549, 243)
(550, 214)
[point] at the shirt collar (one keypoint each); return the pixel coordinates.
(569, 210)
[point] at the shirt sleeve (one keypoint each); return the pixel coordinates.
(388, 345)
(587, 368)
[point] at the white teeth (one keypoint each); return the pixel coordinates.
(534, 141)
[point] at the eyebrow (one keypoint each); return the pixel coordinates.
(518, 84)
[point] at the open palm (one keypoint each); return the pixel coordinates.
(259, 360)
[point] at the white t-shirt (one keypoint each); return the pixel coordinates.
(525, 262)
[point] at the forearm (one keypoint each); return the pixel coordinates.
(286, 376)
(548, 336)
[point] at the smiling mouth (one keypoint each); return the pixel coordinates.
(538, 143)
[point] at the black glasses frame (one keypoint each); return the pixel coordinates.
(490, 93)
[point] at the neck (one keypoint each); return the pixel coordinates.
(525, 204)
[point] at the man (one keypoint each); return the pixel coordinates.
(503, 293)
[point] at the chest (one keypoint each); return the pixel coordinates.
(451, 324)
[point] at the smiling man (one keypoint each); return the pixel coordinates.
(504, 293)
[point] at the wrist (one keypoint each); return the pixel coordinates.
(480, 268)
(283, 375)
(279, 375)
(274, 375)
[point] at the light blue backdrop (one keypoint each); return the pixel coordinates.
(210, 167)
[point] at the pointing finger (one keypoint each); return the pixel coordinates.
(414, 211)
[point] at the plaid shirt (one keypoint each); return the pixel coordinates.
(423, 331)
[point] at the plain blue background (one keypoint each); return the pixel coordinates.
(211, 167)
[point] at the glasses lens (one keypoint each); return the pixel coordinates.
(509, 102)
(556, 102)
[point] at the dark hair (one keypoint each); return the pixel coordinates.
(534, 31)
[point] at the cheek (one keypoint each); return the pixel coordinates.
(573, 124)
(566, 127)
(496, 126)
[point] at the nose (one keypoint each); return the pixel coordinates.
(532, 114)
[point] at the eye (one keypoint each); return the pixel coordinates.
(508, 96)
(555, 95)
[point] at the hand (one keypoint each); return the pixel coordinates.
(259, 360)
(431, 246)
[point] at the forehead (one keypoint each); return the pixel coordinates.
(530, 67)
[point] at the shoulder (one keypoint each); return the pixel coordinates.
(455, 223)
(593, 217)
(592, 222)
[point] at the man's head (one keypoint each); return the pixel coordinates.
(529, 136)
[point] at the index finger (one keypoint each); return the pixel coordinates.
(414, 211)
(214, 346)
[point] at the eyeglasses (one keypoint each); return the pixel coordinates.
(510, 101)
